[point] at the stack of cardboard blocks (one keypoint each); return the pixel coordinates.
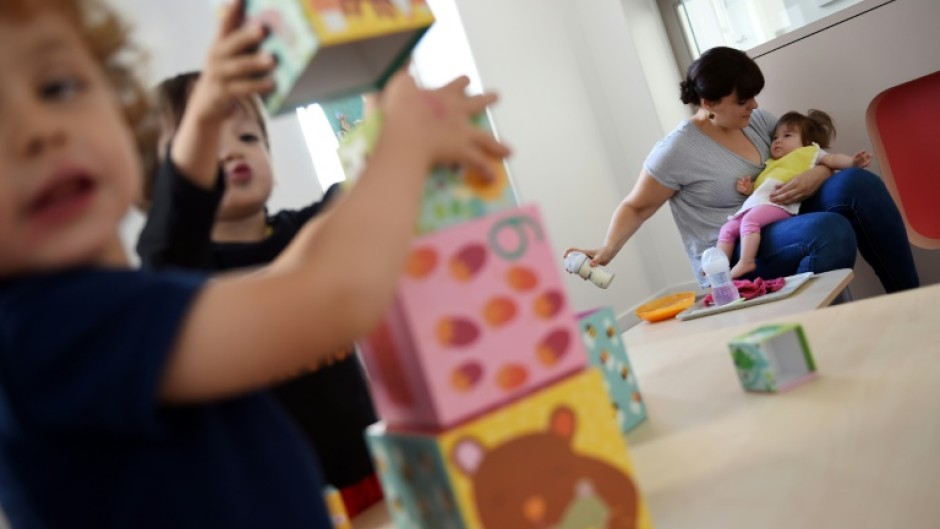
(491, 417)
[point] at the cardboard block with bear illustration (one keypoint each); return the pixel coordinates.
(607, 352)
(552, 459)
(331, 48)
(480, 317)
(451, 194)
(772, 358)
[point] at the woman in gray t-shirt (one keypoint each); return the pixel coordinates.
(696, 167)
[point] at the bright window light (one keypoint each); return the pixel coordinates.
(745, 24)
(322, 144)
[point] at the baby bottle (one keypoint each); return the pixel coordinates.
(579, 263)
(718, 271)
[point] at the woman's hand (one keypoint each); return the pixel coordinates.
(803, 186)
(644, 200)
(598, 256)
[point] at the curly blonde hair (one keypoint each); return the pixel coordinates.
(108, 39)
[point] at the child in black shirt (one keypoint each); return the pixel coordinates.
(227, 227)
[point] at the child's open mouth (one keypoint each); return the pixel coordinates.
(65, 198)
(240, 174)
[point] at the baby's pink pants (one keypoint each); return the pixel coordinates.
(751, 222)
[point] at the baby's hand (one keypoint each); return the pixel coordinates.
(438, 123)
(234, 68)
(745, 185)
(861, 159)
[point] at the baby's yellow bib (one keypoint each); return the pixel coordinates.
(790, 165)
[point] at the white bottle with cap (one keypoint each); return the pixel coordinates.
(579, 263)
(718, 271)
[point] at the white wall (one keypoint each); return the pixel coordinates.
(581, 118)
(661, 246)
(842, 68)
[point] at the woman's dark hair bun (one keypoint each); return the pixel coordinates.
(687, 92)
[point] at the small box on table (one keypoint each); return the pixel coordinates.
(772, 358)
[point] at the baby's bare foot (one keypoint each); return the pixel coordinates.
(741, 268)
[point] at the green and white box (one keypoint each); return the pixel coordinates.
(773, 358)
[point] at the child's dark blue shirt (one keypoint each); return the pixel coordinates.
(85, 441)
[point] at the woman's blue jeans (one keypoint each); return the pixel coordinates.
(851, 210)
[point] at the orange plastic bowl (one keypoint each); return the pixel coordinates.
(666, 307)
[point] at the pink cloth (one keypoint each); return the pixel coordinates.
(752, 289)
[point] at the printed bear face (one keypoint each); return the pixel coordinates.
(537, 481)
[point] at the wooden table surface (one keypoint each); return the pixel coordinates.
(856, 448)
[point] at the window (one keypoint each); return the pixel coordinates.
(442, 55)
(745, 24)
(322, 143)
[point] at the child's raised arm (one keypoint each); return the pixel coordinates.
(232, 71)
(837, 161)
(330, 289)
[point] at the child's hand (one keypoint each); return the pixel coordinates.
(745, 185)
(861, 159)
(438, 122)
(234, 68)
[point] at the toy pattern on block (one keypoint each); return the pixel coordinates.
(291, 41)
(413, 468)
(328, 48)
(553, 459)
(607, 352)
(451, 195)
(339, 21)
(480, 318)
(772, 358)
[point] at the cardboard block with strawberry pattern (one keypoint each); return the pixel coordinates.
(607, 352)
(552, 459)
(331, 48)
(452, 195)
(480, 318)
